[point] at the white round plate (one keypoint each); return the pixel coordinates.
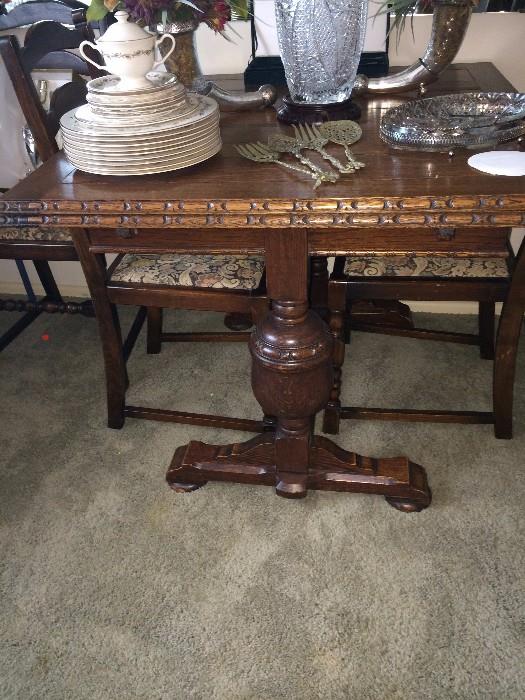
(82, 129)
(204, 108)
(176, 152)
(161, 168)
(129, 143)
(117, 99)
(112, 115)
(181, 157)
(160, 154)
(124, 109)
(123, 145)
(137, 152)
(110, 83)
(91, 119)
(499, 162)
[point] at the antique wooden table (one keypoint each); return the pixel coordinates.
(229, 204)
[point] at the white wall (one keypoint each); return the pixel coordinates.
(495, 37)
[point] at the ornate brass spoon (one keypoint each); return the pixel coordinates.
(344, 133)
(308, 136)
(286, 144)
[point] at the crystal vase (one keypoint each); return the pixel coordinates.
(320, 43)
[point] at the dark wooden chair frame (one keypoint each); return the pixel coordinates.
(107, 294)
(343, 291)
(18, 63)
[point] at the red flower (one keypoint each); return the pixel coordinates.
(217, 14)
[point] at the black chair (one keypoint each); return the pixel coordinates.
(48, 44)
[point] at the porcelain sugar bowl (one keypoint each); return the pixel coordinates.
(128, 51)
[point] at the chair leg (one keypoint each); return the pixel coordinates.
(238, 322)
(109, 328)
(154, 343)
(509, 330)
(48, 281)
(319, 284)
(337, 310)
(486, 321)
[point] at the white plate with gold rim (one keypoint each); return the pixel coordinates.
(100, 169)
(165, 103)
(173, 110)
(202, 108)
(150, 99)
(108, 84)
(156, 158)
(120, 141)
(149, 148)
(82, 129)
(140, 165)
(88, 117)
(127, 144)
(161, 153)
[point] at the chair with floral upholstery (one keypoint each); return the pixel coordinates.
(156, 281)
(480, 273)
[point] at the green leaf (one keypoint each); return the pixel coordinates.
(240, 9)
(97, 10)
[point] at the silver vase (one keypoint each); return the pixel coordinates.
(320, 43)
(450, 22)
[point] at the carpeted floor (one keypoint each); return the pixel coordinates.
(114, 587)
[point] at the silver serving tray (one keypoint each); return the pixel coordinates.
(465, 120)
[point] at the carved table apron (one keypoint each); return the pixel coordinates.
(233, 205)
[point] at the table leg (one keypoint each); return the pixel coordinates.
(291, 379)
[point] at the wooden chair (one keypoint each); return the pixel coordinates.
(46, 46)
(225, 283)
(146, 281)
(487, 274)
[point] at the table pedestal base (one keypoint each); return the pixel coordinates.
(403, 483)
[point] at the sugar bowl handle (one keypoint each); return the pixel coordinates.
(158, 43)
(86, 58)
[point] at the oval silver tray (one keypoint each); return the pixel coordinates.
(467, 120)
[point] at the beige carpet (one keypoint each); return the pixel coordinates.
(114, 587)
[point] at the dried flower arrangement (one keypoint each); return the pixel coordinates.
(214, 13)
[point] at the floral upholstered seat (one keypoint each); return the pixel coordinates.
(416, 266)
(34, 233)
(211, 271)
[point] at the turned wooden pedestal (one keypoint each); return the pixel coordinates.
(291, 378)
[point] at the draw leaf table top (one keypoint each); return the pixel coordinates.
(230, 204)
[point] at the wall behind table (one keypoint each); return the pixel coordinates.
(495, 37)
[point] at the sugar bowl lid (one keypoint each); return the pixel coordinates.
(122, 30)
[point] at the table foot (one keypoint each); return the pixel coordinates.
(403, 483)
(179, 487)
(183, 486)
(296, 488)
(404, 506)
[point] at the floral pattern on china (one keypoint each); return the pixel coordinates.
(129, 52)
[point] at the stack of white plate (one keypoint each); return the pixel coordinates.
(139, 132)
